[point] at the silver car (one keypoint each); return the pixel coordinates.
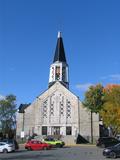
(5, 147)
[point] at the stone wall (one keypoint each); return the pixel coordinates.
(72, 114)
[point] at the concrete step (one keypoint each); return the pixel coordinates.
(69, 140)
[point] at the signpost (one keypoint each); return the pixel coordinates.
(22, 134)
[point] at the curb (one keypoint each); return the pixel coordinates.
(71, 145)
(80, 145)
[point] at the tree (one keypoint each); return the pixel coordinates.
(112, 94)
(111, 108)
(8, 114)
(94, 99)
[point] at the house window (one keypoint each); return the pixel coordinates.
(44, 130)
(68, 130)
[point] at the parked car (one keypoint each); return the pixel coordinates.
(5, 147)
(11, 141)
(107, 141)
(112, 152)
(54, 142)
(118, 137)
(37, 145)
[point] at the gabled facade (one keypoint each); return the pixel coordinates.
(57, 111)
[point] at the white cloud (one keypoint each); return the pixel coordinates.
(2, 97)
(112, 77)
(104, 77)
(83, 87)
(115, 77)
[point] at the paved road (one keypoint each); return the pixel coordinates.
(67, 153)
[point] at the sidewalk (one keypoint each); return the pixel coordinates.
(82, 145)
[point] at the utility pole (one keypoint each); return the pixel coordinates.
(91, 126)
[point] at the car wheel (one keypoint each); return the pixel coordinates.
(5, 151)
(103, 145)
(45, 148)
(58, 145)
(29, 149)
(113, 155)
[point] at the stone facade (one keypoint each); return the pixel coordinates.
(56, 111)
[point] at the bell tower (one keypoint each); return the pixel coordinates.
(59, 67)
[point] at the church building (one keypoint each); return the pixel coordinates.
(57, 111)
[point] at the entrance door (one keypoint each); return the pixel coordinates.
(56, 130)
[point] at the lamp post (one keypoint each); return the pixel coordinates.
(91, 117)
(0, 125)
(23, 121)
(23, 125)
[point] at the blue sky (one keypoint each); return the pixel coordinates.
(28, 35)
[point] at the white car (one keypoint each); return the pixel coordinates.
(5, 147)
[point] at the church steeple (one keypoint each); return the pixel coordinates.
(59, 67)
(59, 52)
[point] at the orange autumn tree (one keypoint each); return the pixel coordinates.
(111, 108)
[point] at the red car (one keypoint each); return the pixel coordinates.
(37, 145)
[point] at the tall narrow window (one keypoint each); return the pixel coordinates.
(68, 130)
(68, 114)
(57, 73)
(44, 130)
(45, 109)
(63, 73)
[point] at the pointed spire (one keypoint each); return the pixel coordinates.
(59, 52)
(59, 34)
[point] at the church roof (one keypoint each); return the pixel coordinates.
(57, 86)
(22, 107)
(59, 52)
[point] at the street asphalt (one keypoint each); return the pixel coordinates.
(78, 152)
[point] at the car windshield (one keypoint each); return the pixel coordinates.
(10, 141)
(49, 139)
(7, 140)
(117, 145)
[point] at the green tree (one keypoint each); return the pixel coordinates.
(94, 99)
(8, 114)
